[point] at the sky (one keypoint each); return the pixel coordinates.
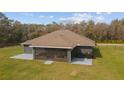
(65, 17)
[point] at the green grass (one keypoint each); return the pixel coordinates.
(109, 66)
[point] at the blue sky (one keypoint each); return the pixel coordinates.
(76, 17)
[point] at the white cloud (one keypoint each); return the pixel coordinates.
(77, 17)
(51, 16)
(27, 14)
(41, 16)
(98, 13)
(109, 13)
(103, 13)
(99, 19)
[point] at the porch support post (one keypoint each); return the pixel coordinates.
(69, 55)
(33, 51)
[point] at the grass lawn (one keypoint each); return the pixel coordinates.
(109, 66)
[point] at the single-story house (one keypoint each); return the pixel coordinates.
(59, 45)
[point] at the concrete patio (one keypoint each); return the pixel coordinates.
(30, 57)
(23, 56)
(82, 61)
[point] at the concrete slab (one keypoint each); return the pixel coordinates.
(23, 56)
(82, 61)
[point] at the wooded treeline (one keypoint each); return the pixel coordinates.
(13, 32)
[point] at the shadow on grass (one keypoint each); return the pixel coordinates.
(97, 53)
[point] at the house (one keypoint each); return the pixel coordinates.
(62, 45)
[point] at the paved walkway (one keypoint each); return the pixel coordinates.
(100, 44)
(23, 56)
(82, 61)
